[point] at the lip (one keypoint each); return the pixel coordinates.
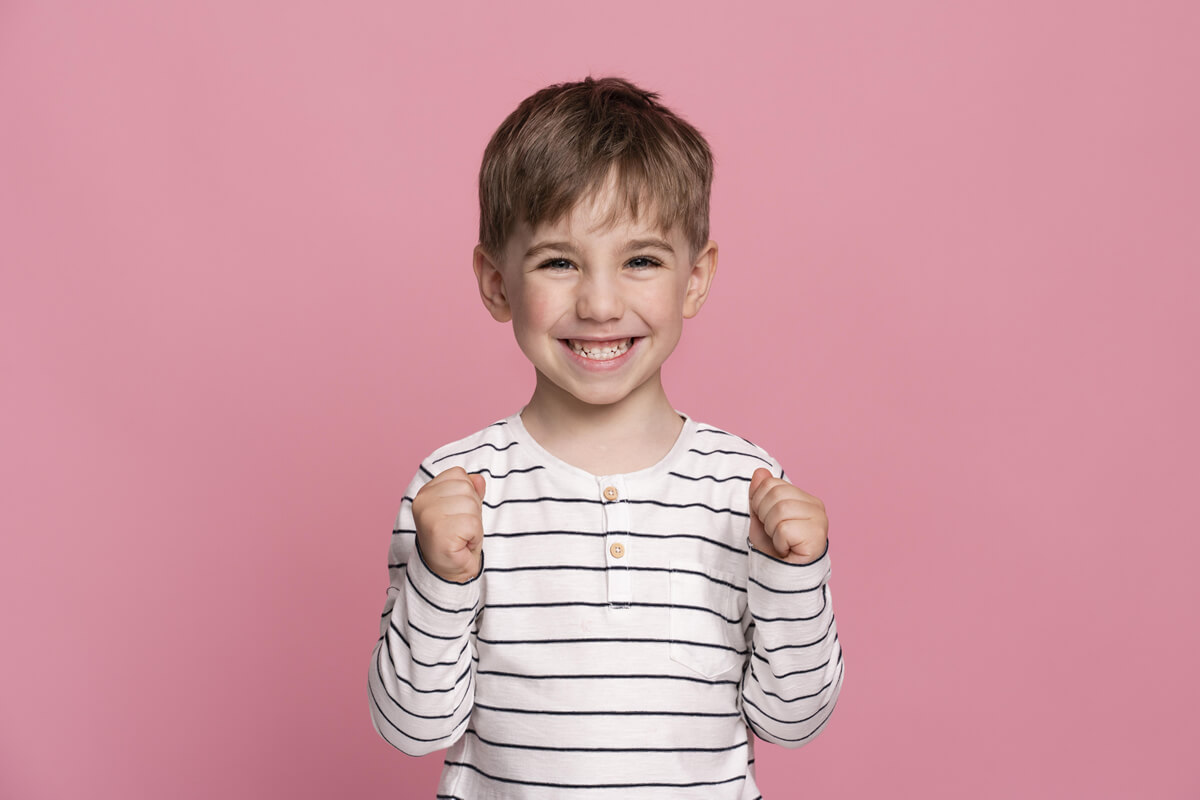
(600, 366)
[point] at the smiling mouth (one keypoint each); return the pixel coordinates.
(600, 351)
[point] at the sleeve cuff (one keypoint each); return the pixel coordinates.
(775, 573)
(443, 594)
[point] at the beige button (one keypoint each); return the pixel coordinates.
(617, 549)
(610, 493)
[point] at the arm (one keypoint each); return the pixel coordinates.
(795, 671)
(422, 675)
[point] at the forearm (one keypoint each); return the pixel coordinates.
(795, 671)
(421, 680)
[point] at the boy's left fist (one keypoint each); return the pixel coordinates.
(784, 521)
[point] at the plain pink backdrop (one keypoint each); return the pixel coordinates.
(957, 299)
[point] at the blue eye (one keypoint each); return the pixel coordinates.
(557, 264)
(644, 262)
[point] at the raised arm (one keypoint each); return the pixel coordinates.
(421, 680)
(796, 668)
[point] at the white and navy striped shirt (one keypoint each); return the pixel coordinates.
(622, 639)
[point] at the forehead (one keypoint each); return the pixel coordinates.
(608, 211)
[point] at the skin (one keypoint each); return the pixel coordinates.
(581, 279)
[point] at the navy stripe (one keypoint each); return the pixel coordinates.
(473, 449)
(413, 658)
(780, 697)
(427, 472)
(510, 745)
(431, 604)
(755, 654)
(547, 784)
(406, 734)
(727, 433)
(576, 713)
(581, 604)
(729, 453)
(412, 625)
(828, 628)
(510, 472)
(617, 677)
(585, 568)
(602, 534)
(765, 734)
(709, 477)
(690, 505)
(818, 587)
(824, 605)
(597, 501)
(610, 640)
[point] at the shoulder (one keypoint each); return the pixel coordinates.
(717, 447)
(475, 452)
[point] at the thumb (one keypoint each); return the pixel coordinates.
(478, 482)
(756, 480)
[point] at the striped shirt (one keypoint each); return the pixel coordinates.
(622, 639)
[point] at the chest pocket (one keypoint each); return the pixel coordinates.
(706, 612)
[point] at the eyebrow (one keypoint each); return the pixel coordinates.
(566, 247)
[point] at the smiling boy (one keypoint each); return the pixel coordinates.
(599, 596)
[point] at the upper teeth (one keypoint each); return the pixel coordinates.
(600, 351)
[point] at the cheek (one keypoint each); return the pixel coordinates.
(533, 312)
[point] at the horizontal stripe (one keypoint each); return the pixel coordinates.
(819, 612)
(773, 590)
(414, 659)
(474, 450)
(588, 568)
(726, 433)
(381, 714)
(465, 610)
(813, 643)
(554, 785)
(729, 453)
(784, 675)
(580, 604)
(510, 472)
(713, 478)
(604, 534)
(607, 640)
(575, 712)
(605, 677)
(515, 746)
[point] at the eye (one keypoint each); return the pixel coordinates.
(643, 262)
(556, 264)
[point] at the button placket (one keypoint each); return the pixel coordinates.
(616, 526)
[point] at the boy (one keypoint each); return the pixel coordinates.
(599, 597)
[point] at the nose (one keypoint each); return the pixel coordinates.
(599, 298)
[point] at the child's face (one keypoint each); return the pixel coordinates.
(597, 308)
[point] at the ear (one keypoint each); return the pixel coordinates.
(491, 285)
(704, 267)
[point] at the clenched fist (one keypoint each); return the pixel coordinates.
(784, 521)
(448, 512)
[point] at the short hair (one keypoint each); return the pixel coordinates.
(564, 142)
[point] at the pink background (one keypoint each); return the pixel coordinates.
(957, 298)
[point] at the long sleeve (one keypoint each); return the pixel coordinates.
(796, 668)
(421, 680)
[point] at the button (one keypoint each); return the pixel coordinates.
(610, 493)
(617, 549)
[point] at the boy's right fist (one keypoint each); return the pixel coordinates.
(448, 512)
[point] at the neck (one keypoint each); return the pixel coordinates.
(626, 436)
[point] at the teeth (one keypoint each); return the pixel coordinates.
(598, 351)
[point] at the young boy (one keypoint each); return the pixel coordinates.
(600, 597)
